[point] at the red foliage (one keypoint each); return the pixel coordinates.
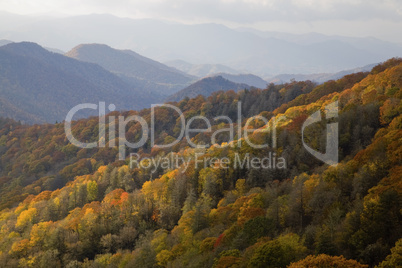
(219, 240)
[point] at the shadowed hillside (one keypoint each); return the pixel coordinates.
(147, 74)
(40, 86)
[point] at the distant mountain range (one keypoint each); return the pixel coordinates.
(205, 70)
(318, 78)
(249, 79)
(223, 81)
(147, 74)
(261, 53)
(201, 70)
(206, 87)
(38, 86)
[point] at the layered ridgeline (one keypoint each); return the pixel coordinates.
(248, 79)
(38, 86)
(84, 208)
(262, 53)
(158, 78)
(318, 78)
(148, 74)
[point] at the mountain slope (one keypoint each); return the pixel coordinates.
(206, 87)
(248, 79)
(47, 85)
(72, 207)
(145, 73)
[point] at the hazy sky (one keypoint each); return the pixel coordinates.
(378, 18)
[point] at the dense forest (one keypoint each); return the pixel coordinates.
(63, 206)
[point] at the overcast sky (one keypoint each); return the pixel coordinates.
(377, 18)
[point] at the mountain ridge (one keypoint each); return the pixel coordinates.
(49, 84)
(151, 75)
(244, 50)
(206, 86)
(318, 78)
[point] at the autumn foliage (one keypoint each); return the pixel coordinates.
(68, 207)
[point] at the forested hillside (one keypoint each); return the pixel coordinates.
(63, 206)
(43, 155)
